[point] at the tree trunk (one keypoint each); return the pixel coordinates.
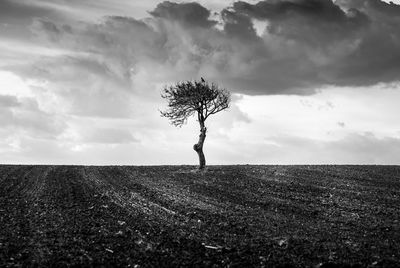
(198, 147)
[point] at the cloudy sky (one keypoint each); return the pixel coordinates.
(313, 81)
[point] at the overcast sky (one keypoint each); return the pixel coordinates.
(313, 81)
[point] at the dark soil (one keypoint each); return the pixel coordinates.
(228, 216)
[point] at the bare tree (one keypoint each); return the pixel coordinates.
(194, 97)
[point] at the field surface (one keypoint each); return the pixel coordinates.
(228, 216)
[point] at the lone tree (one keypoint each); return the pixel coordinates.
(194, 97)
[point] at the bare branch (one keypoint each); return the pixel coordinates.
(190, 97)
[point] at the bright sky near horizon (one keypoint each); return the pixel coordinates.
(313, 82)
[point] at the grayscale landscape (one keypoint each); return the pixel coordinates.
(200, 133)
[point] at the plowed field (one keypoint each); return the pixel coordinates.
(228, 216)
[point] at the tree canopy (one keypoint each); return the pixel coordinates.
(187, 98)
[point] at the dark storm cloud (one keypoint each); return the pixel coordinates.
(377, 58)
(190, 14)
(355, 46)
(384, 8)
(238, 25)
(316, 22)
(305, 45)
